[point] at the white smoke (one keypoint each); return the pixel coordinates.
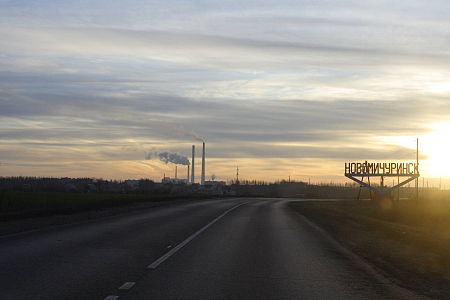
(168, 157)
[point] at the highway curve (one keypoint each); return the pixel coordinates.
(210, 249)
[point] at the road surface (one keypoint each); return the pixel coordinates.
(214, 249)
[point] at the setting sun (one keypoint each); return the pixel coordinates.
(435, 145)
(434, 149)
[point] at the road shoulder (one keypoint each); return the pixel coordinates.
(362, 262)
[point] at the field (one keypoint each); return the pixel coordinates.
(407, 240)
(15, 204)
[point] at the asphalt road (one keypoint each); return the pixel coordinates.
(215, 249)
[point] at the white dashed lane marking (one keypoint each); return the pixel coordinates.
(156, 263)
(160, 260)
(127, 285)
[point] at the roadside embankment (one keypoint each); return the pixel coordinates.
(408, 241)
(17, 204)
(61, 209)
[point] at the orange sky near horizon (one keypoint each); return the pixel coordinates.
(88, 89)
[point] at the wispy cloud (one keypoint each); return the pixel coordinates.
(281, 84)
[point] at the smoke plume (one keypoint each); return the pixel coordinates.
(178, 130)
(168, 157)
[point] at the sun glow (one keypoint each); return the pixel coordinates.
(434, 149)
(436, 146)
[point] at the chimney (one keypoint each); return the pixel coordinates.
(176, 171)
(193, 165)
(187, 180)
(203, 165)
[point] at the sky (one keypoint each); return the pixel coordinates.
(281, 88)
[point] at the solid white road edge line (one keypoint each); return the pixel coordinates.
(160, 260)
(127, 285)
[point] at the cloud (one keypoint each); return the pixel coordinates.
(211, 51)
(277, 84)
(302, 123)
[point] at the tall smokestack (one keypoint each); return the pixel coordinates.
(203, 164)
(193, 165)
(176, 171)
(187, 181)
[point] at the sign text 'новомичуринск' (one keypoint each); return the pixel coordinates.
(382, 168)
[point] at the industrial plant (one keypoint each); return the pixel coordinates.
(190, 178)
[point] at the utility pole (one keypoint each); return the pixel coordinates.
(417, 162)
(193, 165)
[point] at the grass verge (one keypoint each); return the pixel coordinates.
(406, 240)
(15, 204)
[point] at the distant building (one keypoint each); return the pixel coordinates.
(168, 180)
(132, 184)
(213, 187)
(214, 182)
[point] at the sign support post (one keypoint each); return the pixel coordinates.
(410, 171)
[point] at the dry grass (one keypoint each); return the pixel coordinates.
(15, 204)
(408, 240)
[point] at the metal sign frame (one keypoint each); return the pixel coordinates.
(366, 169)
(381, 190)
